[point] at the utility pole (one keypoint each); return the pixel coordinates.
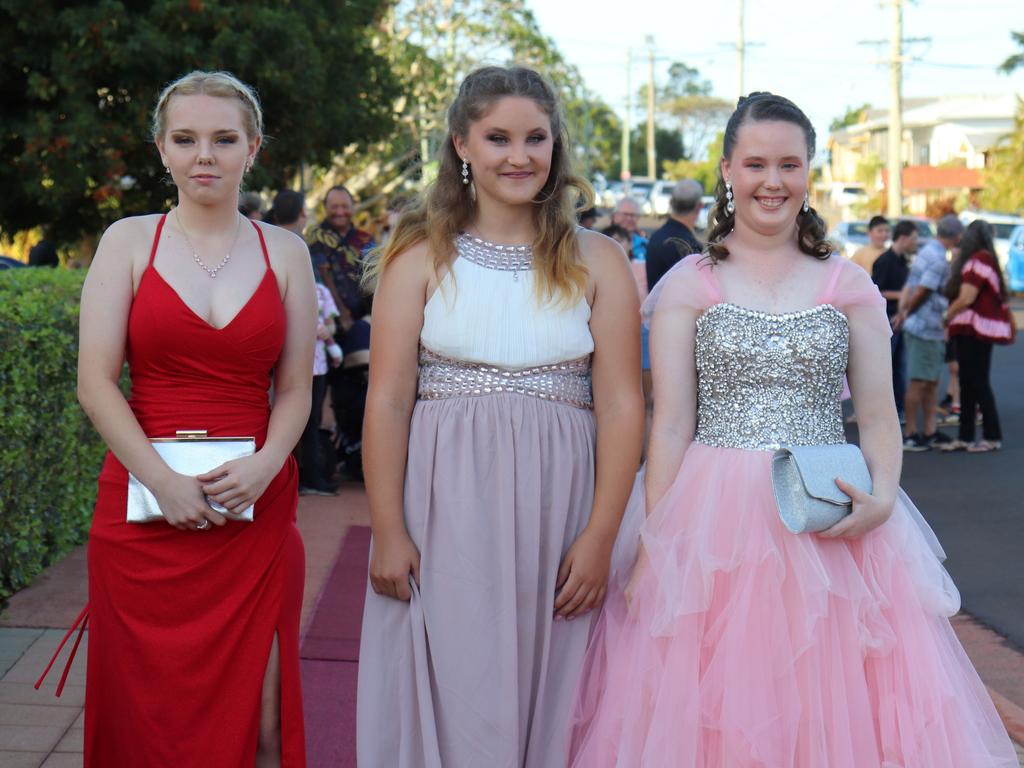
(741, 54)
(624, 174)
(894, 207)
(894, 151)
(652, 160)
(740, 46)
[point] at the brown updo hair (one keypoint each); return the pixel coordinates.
(757, 107)
(449, 204)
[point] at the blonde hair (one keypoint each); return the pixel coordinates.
(221, 84)
(448, 206)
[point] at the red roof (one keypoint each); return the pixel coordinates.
(922, 177)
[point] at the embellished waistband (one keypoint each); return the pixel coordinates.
(442, 377)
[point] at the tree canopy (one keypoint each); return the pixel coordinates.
(78, 82)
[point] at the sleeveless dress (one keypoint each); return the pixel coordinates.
(474, 671)
(747, 645)
(181, 622)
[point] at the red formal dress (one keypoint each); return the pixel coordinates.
(181, 622)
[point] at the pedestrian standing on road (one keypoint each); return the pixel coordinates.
(978, 317)
(194, 620)
(922, 307)
(339, 249)
(889, 272)
(289, 212)
(669, 244)
(497, 476)
(627, 216)
(734, 642)
(878, 235)
(675, 238)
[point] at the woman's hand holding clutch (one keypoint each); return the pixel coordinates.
(182, 503)
(239, 483)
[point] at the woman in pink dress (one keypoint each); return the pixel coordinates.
(732, 642)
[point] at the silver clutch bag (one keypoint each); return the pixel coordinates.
(803, 479)
(190, 453)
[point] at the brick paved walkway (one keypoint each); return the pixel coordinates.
(38, 729)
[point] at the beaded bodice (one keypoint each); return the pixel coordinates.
(486, 332)
(766, 380)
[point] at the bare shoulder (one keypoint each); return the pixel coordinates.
(137, 231)
(126, 244)
(416, 259)
(284, 247)
(600, 253)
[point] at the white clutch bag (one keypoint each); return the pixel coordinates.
(190, 453)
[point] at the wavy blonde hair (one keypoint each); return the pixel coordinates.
(221, 84)
(448, 205)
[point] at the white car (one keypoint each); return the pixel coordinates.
(658, 200)
(1002, 224)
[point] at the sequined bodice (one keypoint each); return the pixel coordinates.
(769, 380)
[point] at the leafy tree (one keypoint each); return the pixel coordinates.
(78, 81)
(685, 103)
(1003, 190)
(431, 45)
(668, 147)
(704, 171)
(851, 117)
(1017, 59)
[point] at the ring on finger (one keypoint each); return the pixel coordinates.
(202, 525)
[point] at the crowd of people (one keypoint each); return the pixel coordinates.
(548, 585)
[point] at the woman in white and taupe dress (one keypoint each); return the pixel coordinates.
(503, 430)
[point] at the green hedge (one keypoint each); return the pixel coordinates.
(49, 453)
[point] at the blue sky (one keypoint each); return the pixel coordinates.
(807, 50)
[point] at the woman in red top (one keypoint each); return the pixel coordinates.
(194, 620)
(978, 316)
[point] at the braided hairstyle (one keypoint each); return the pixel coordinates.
(763, 106)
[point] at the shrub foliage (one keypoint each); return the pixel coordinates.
(50, 455)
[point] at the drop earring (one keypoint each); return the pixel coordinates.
(807, 203)
(730, 206)
(465, 172)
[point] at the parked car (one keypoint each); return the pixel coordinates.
(1003, 226)
(640, 190)
(1015, 259)
(925, 227)
(657, 203)
(849, 236)
(707, 202)
(846, 194)
(611, 194)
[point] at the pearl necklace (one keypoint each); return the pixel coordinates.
(211, 271)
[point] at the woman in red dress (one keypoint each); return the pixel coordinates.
(194, 622)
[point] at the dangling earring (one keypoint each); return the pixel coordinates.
(248, 165)
(465, 172)
(807, 203)
(168, 170)
(730, 206)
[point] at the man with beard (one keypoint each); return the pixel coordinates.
(338, 249)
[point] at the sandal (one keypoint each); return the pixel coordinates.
(953, 445)
(984, 446)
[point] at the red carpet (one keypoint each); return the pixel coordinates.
(330, 656)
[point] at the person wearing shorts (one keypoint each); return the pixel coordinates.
(921, 311)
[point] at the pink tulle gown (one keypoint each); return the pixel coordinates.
(747, 645)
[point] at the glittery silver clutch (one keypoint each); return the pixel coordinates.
(803, 479)
(190, 453)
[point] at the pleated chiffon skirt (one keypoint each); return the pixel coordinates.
(474, 670)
